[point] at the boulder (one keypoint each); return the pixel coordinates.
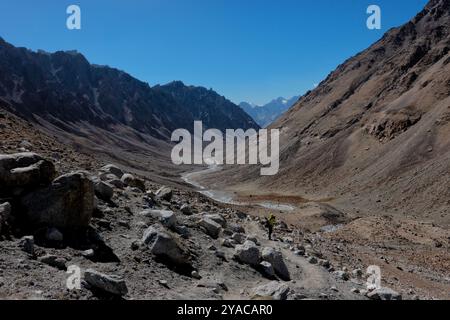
(273, 290)
(248, 253)
(131, 181)
(384, 294)
(107, 283)
(186, 209)
(162, 244)
(24, 170)
(211, 227)
(275, 258)
(164, 193)
(166, 217)
(68, 202)
(27, 244)
(238, 237)
(54, 261)
(218, 218)
(112, 169)
(103, 190)
(5, 212)
(267, 269)
(342, 275)
(116, 183)
(236, 228)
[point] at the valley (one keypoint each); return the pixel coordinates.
(88, 181)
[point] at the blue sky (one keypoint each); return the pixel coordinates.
(247, 50)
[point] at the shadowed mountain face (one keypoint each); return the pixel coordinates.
(268, 113)
(64, 88)
(214, 110)
(375, 133)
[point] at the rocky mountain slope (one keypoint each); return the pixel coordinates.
(365, 158)
(64, 88)
(214, 110)
(268, 113)
(374, 135)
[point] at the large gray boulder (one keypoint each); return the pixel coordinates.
(131, 181)
(103, 190)
(166, 217)
(164, 193)
(112, 169)
(67, 203)
(248, 253)
(384, 294)
(162, 244)
(108, 283)
(273, 290)
(218, 218)
(25, 171)
(5, 212)
(275, 258)
(210, 227)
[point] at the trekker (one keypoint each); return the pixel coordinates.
(270, 223)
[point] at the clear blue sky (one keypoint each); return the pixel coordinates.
(247, 50)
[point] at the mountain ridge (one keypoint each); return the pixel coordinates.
(269, 112)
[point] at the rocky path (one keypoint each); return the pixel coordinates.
(132, 239)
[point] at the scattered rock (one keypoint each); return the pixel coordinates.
(186, 209)
(275, 258)
(5, 212)
(238, 237)
(312, 260)
(384, 294)
(164, 193)
(162, 244)
(267, 269)
(357, 273)
(24, 170)
(273, 290)
(67, 203)
(54, 261)
(103, 190)
(216, 218)
(131, 181)
(211, 227)
(226, 243)
(236, 228)
(342, 275)
(112, 169)
(88, 253)
(27, 244)
(116, 183)
(253, 239)
(195, 275)
(248, 253)
(166, 217)
(107, 283)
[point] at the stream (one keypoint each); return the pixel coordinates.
(226, 197)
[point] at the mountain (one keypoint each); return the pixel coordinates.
(213, 109)
(64, 88)
(373, 137)
(266, 114)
